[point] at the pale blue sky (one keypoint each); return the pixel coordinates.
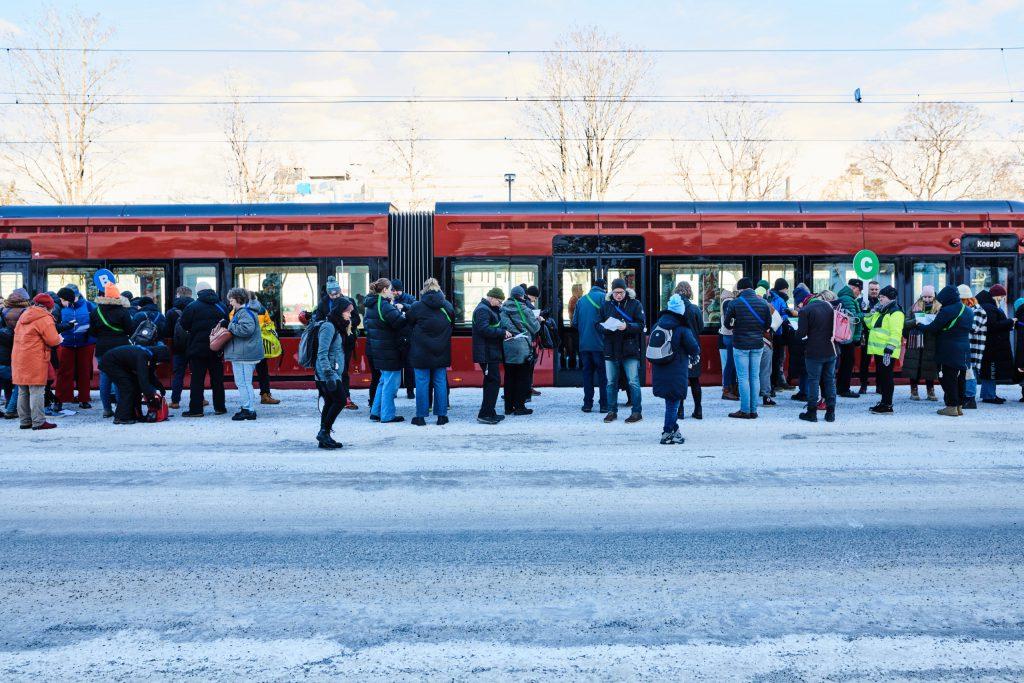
(153, 172)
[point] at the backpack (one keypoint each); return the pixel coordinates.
(309, 344)
(180, 337)
(842, 326)
(659, 346)
(145, 334)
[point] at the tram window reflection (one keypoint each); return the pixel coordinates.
(928, 273)
(10, 281)
(473, 280)
(285, 291)
(707, 281)
(142, 281)
(80, 277)
(834, 275)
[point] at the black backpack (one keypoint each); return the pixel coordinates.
(145, 334)
(179, 337)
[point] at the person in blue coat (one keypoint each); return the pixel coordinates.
(670, 380)
(76, 352)
(584, 320)
(953, 325)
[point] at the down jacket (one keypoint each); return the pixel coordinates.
(430, 332)
(953, 325)
(384, 325)
(523, 324)
(997, 359)
(749, 317)
(627, 343)
(34, 337)
(670, 380)
(246, 345)
(487, 333)
(78, 315)
(198, 319)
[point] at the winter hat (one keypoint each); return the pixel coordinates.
(761, 291)
(856, 282)
(1018, 303)
(518, 292)
(781, 284)
(127, 294)
(397, 285)
(997, 290)
(928, 290)
(67, 294)
(618, 283)
(74, 288)
(801, 293)
(332, 285)
(744, 283)
(965, 292)
(889, 292)
(600, 282)
(496, 293)
(676, 304)
(44, 300)
(533, 290)
(111, 292)
(763, 283)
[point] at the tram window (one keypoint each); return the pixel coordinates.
(981, 277)
(198, 278)
(285, 291)
(928, 273)
(10, 282)
(707, 281)
(575, 284)
(80, 277)
(142, 281)
(835, 275)
(773, 271)
(472, 280)
(354, 281)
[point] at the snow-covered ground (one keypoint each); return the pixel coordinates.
(546, 548)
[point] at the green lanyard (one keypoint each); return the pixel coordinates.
(591, 301)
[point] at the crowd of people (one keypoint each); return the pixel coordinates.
(952, 337)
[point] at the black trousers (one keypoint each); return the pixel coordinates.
(201, 366)
(884, 380)
(865, 363)
(374, 378)
(953, 381)
(517, 385)
(695, 390)
(844, 377)
(334, 403)
(263, 376)
(492, 386)
(409, 382)
(778, 359)
(128, 393)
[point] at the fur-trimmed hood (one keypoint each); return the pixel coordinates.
(110, 301)
(630, 294)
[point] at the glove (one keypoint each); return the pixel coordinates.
(332, 384)
(695, 361)
(887, 357)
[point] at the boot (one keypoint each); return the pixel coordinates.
(881, 409)
(698, 414)
(268, 400)
(666, 439)
(677, 438)
(931, 395)
(960, 411)
(442, 420)
(768, 402)
(914, 395)
(970, 404)
(949, 411)
(325, 441)
(810, 415)
(732, 393)
(349, 405)
(830, 414)
(420, 421)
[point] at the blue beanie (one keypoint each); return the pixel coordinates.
(676, 304)
(332, 285)
(1017, 304)
(518, 292)
(800, 293)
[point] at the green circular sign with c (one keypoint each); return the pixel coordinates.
(865, 264)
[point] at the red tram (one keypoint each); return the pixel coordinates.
(287, 252)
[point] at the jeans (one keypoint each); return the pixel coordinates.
(593, 363)
(384, 398)
(748, 375)
(179, 363)
(425, 377)
(631, 366)
(988, 388)
(671, 415)
(953, 385)
(971, 388)
(820, 371)
(108, 392)
(243, 380)
(492, 387)
(728, 364)
(765, 374)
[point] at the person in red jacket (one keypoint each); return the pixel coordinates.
(34, 338)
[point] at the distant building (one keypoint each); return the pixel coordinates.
(297, 184)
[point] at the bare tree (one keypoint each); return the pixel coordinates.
(931, 154)
(586, 119)
(855, 185)
(66, 108)
(406, 156)
(9, 193)
(736, 159)
(251, 168)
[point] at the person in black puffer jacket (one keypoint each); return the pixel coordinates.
(669, 380)
(997, 359)
(385, 329)
(622, 347)
(198, 320)
(488, 352)
(111, 324)
(430, 350)
(179, 359)
(694, 321)
(816, 329)
(749, 317)
(953, 325)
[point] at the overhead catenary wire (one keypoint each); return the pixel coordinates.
(506, 139)
(514, 51)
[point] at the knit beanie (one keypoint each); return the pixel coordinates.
(496, 293)
(676, 304)
(618, 283)
(397, 285)
(44, 300)
(801, 293)
(332, 285)
(518, 292)
(781, 284)
(889, 292)
(66, 294)
(763, 283)
(965, 292)
(928, 290)
(111, 291)
(997, 290)
(533, 290)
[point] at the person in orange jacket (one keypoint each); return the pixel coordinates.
(34, 338)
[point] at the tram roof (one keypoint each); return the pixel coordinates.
(195, 210)
(619, 208)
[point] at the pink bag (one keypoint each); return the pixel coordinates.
(219, 337)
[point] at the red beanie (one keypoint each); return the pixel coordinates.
(44, 300)
(997, 290)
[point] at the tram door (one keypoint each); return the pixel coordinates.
(573, 279)
(14, 266)
(981, 272)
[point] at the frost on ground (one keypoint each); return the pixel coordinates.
(546, 548)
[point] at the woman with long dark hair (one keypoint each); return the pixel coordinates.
(330, 363)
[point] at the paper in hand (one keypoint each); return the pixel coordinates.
(612, 324)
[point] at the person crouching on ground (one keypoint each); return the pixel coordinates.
(34, 338)
(385, 330)
(132, 369)
(815, 325)
(244, 351)
(670, 379)
(430, 350)
(330, 362)
(622, 348)
(523, 325)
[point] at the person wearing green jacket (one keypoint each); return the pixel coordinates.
(884, 327)
(849, 299)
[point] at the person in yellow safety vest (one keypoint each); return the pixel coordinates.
(884, 327)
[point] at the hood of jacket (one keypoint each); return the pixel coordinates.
(181, 302)
(17, 299)
(948, 296)
(120, 302)
(33, 314)
(670, 319)
(845, 291)
(985, 298)
(630, 294)
(433, 299)
(208, 296)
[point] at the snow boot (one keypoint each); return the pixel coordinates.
(325, 441)
(634, 417)
(268, 400)
(960, 411)
(830, 414)
(948, 411)
(419, 421)
(810, 415)
(914, 395)
(442, 420)
(932, 396)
